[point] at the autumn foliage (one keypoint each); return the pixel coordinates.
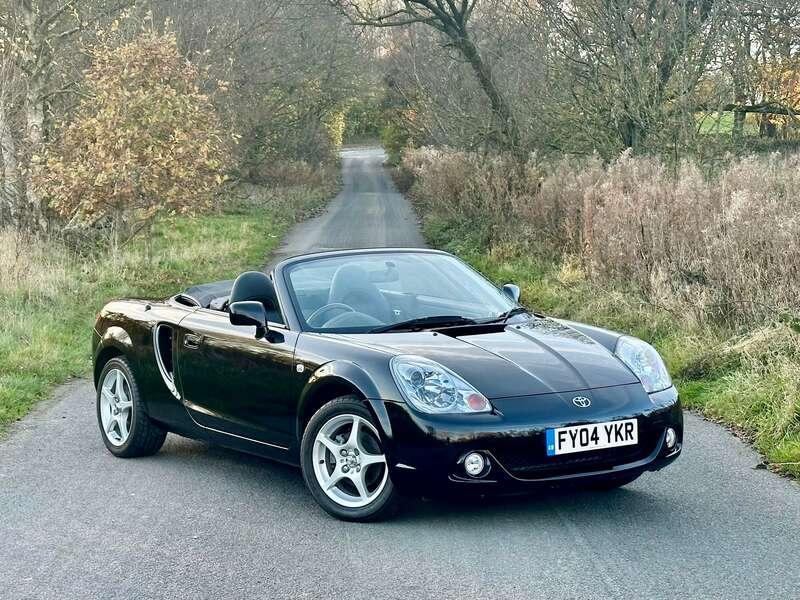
(145, 138)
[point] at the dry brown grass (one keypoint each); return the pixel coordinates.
(293, 174)
(724, 248)
(707, 269)
(32, 268)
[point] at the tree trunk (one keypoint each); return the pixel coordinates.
(10, 190)
(38, 60)
(500, 107)
(743, 53)
(738, 124)
(34, 116)
(766, 128)
(632, 134)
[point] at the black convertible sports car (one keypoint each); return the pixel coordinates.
(384, 371)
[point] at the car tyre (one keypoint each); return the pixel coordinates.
(324, 461)
(125, 426)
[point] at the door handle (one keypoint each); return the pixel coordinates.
(191, 340)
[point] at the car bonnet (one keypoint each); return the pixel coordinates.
(538, 356)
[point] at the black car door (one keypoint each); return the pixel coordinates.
(232, 382)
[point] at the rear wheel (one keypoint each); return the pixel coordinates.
(344, 465)
(124, 424)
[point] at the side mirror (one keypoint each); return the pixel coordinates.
(512, 291)
(250, 313)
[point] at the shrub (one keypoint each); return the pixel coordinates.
(145, 139)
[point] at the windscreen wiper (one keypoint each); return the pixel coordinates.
(517, 310)
(424, 323)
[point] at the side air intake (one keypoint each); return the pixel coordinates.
(162, 343)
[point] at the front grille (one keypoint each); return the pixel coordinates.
(527, 459)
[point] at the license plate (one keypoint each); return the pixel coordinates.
(582, 438)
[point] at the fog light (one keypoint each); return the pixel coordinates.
(474, 464)
(671, 437)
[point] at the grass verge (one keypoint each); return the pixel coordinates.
(49, 296)
(748, 381)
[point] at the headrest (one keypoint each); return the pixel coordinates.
(255, 286)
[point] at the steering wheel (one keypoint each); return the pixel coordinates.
(315, 316)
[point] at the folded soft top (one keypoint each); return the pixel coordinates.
(211, 295)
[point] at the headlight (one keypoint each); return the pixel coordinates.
(433, 388)
(645, 363)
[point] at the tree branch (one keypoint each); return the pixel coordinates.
(765, 108)
(53, 17)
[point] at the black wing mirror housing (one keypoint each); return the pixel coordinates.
(512, 291)
(249, 313)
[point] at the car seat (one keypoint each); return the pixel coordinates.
(257, 286)
(351, 285)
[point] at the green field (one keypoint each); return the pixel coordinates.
(722, 123)
(49, 296)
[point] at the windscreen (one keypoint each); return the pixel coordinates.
(361, 293)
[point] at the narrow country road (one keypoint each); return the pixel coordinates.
(196, 521)
(369, 212)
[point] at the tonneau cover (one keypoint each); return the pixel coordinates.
(211, 295)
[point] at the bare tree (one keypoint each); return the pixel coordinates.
(291, 68)
(452, 19)
(38, 25)
(10, 185)
(629, 63)
(39, 36)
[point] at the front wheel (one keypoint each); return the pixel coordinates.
(344, 465)
(124, 424)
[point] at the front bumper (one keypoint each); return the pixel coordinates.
(426, 452)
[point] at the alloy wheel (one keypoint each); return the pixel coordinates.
(116, 407)
(349, 464)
